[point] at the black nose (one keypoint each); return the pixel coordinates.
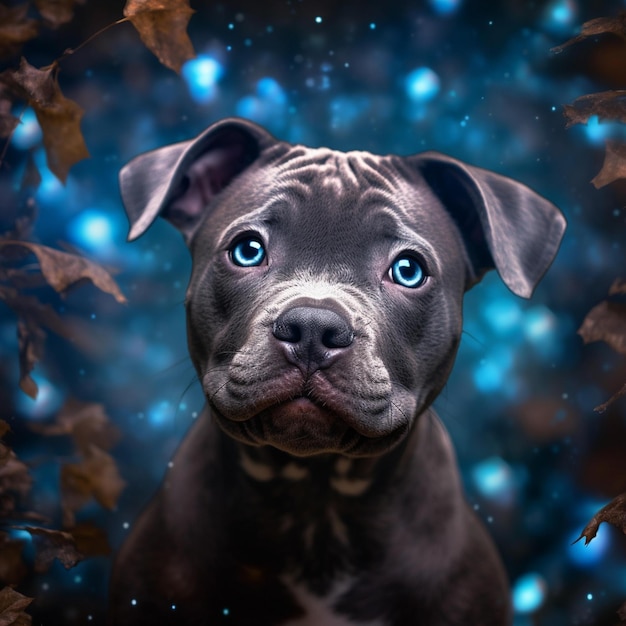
(313, 337)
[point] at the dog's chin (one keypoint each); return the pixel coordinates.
(303, 428)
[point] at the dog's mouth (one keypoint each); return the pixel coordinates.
(302, 426)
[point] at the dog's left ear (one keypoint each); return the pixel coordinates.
(505, 225)
(178, 181)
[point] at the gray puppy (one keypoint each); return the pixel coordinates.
(324, 312)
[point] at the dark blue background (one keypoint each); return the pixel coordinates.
(475, 80)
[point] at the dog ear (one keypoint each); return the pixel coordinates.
(178, 181)
(505, 225)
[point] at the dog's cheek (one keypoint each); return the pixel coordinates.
(420, 347)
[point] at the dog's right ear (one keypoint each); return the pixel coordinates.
(178, 181)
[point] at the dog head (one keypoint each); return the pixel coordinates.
(324, 309)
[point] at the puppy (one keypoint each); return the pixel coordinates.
(324, 312)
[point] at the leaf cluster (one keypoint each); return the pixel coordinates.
(91, 474)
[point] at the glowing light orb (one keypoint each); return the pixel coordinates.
(422, 84)
(529, 593)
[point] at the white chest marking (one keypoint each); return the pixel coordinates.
(319, 611)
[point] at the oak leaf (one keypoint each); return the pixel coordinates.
(618, 287)
(87, 424)
(56, 12)
(12, 605)
(53, 544)
(614, 166)
(162, 26)
(598, 26)
(12, 567)
(613, 513)
(16, 28)
(58, 116)
(607, 105)
(8, 121)
(32, 316)
(63, 269)
(606, 322)
(95, 477)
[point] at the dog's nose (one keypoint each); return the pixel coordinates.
(313, 337)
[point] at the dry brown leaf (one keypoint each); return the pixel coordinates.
(607, 105)
(31, 339)
(56, 12)
(613, 513)
(32, 316)
(606, 322)
(597, 26)
(15, 483)
(58, 116)
(8, 121)
(16, 28)
(12, 567)
(96, 477)
(618, 287)
(91, 540)
(614, 167)
(601, 408)
(86, 422)
(62, 269)
(12, 605)
(53, 544)
(162, 26)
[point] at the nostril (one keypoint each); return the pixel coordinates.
(287, 331)
(339, 336)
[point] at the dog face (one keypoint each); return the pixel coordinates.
(324, 309)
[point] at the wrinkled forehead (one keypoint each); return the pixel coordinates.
(332, 196)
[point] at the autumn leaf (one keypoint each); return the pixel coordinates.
(618, 287)
(12, 605)
(613, 513)
(15, 481)
(162, 26)
(96, 477)
(56, 12)
(8, 121)
(62, 269)
(87, 424)
(12, 567)
(607, 105)
(53, 544)
(16, 28)
(597, 26)
(58, 116)
(32, 316)
(606, 322)
(614, 166)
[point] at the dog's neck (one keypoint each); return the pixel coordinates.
(293, 513)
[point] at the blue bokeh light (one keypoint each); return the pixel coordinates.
(494, 479)
(445, 7)
(27, 133)
(49, 398)
(267, 106)
(560, 15)
(202, 75)
(422, 85)
(97, 231)
(529, 593)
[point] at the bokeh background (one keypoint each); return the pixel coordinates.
(473, 79)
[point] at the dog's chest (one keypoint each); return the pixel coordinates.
(317, 541)
(319, 610)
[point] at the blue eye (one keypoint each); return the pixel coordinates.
(248, 252)
(407, 271)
